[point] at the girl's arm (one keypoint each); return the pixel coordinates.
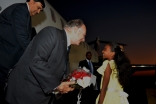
(105, 82)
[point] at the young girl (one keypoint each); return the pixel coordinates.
(115, 72)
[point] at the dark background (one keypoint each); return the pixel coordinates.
(132, 22)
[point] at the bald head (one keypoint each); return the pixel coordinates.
(76, 30)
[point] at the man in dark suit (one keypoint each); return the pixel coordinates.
(39, 72)
(15, 34)
(90, 93)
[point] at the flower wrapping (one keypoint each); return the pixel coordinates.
(82, 77)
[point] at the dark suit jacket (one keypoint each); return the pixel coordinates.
(15, 33)
(40, 69)
(84, 63)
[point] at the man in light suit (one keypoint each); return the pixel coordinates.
(15, 35)
(39, 72)
(90, 93)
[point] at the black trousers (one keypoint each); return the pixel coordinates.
(3, 81)
(89, 96)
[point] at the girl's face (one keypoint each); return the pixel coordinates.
(107, 53)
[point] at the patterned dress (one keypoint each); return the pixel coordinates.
(114, 93)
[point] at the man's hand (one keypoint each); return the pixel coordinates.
(64, 87)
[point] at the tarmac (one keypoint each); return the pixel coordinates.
(143, 89)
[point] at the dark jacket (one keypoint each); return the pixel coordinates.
(84, 63)
(15, 33)
(40, 69)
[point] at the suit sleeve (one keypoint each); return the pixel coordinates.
(42, 48)
(20, 20)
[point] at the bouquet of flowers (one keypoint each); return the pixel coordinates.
(83, 79)
(81, 76)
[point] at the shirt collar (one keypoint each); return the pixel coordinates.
(28, 6)
(68, 40)
(87, 60)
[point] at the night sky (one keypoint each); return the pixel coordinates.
(132, 22)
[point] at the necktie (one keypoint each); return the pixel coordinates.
(68, 49)
(91, 68)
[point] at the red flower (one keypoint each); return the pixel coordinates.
(78, 75)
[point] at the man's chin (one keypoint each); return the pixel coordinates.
(77, 43)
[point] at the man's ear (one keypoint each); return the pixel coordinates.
(69, 29)
(72, 30)
(78, 30)
(75, 29)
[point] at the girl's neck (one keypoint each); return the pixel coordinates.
(109, 59)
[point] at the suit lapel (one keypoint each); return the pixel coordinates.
(66, 53)
(87, 65)
(29, 26)
(64, 38)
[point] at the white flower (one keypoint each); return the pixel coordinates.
(73, 79)
(84, 82)
(85, 69)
